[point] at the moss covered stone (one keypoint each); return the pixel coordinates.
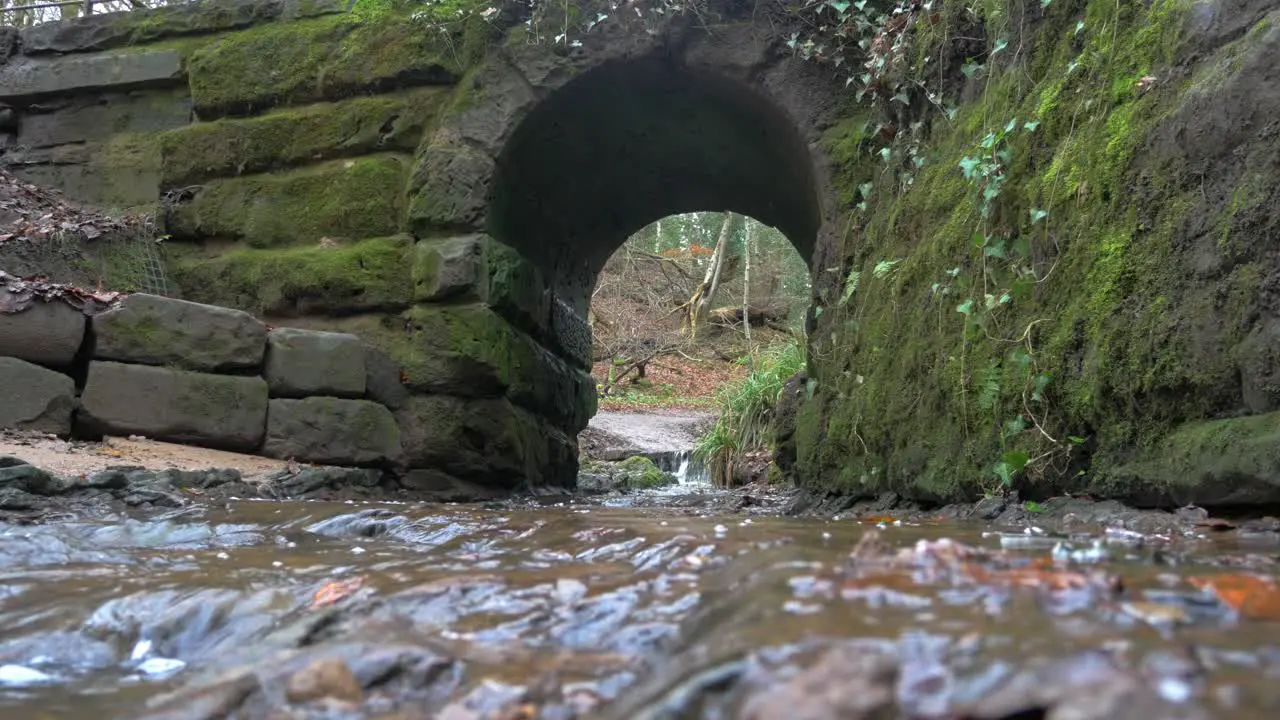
(1234, 461)
(295, 136)
(367, 276)
(641, 473)
(318, 59)
(487, 441)
(356, 198)
(1131, 308)
(450, 268)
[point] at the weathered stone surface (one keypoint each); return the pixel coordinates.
(382, 379)
(449, 269)
(48, 333)
(288, 483)
(26, 478)
(471, 351)
(326, 678)
(439, 486)
(294, 136)
(108, 30)
(359, 198)
(333, 280)
(488, 442)
(517, 289)
(201, 409)
(330, 430)
(570, 334)
(449, 187)
(154, 330)
(31, 77)
(309, 362)
(317, 59)
(33, 398)
(96, 118)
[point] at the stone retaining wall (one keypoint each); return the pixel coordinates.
(198, 374)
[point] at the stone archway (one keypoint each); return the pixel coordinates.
(547, 162)
(633, 141)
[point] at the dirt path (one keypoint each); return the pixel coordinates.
(614, 434)
(71, 458)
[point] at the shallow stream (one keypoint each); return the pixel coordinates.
(299, 609)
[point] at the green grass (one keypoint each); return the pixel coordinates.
(746, 411)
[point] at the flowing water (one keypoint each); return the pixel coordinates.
(325, 609)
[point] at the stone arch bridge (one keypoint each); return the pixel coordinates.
(448, 193)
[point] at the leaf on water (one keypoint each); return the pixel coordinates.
(1155, 613)
(1255, 598)
(335, 592)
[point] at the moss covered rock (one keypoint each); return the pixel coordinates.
(296, 136)
(153, 330)
(318, 59)
(356, 198)
(1231, 462)
(486, 441)
(1073, 299)
(219, 411)
(366, 276)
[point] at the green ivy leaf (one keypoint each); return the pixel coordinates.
(1000, 45)
(1037, 215)
(968, 165)
(1030, 126)
(839, 5)
(965, 307)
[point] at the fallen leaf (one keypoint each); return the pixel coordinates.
(335, 591)
(1255, 598)
(1155, 613)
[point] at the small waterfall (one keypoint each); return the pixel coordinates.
(683, 465)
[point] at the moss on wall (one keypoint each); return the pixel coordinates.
(357, 198)
(1065, 327)
(324, 58)
(296, 136)
(366, 276)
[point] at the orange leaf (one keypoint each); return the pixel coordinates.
(336, 591)
(877, 519)
(1253, 597)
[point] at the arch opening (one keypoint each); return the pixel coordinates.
(634, 141)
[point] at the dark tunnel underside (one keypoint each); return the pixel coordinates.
(632, 142)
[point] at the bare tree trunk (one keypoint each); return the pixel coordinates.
(698, 305)
(746, 283)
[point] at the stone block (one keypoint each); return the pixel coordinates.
(331, 431)
(449, 269)
(449, 187)
(382, 379)
(517, 289)
(289, 137)
(154, 330)
(47, 332)
(351, 199)
(24, 78)
(485, 441)
(310, 362)
(97, 118)
(317, 59)
(471, 351)
(218, 411)
(102, 31)
(34, 398)
(570, 334)
(329, 280)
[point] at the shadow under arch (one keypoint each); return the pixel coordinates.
(633, 141)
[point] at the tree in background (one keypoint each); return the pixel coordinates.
(694, 286)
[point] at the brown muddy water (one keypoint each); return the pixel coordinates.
(305, 609)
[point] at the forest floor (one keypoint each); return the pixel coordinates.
(672, 381)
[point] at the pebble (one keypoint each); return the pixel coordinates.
(19, 675)
(160, 666)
